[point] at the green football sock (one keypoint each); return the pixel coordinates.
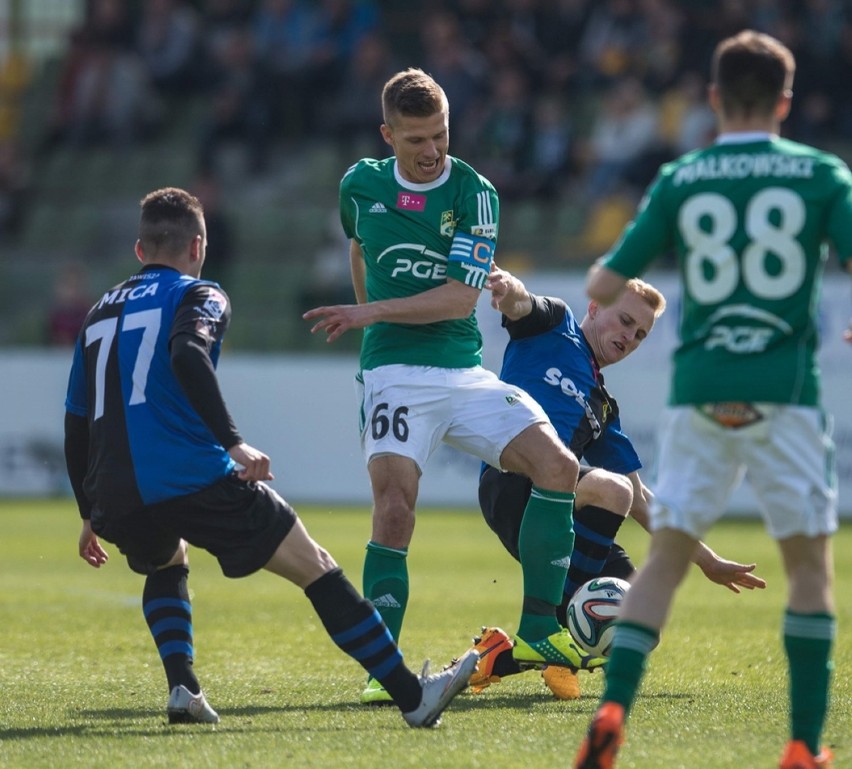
(808, 640)
(631, 646)
(545, 542)
(386, 584)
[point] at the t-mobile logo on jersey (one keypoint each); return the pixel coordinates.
(410, 201)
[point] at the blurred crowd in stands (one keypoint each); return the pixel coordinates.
(548, 98)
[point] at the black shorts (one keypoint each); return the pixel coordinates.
(503, 499)
(240, 523)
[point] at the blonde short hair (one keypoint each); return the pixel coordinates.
(652, 296)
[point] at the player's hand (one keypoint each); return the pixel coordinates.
(732, 575)
(847, 334)
(254, 464)
(497, 283)
(508, 294)
(339, 319)
(90, 548)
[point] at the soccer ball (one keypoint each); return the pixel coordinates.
(592, 612)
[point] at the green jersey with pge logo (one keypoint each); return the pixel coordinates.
(750, 219)
(414, 237)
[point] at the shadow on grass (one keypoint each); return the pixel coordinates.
(140, 722)
(128, 722)
(588, 703)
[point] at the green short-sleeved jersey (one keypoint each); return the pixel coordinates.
(749, 219)
(415, 236)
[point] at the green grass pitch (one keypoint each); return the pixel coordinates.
(81, 684)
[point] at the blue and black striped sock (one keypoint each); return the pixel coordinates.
(594, 532)
(168, 612)
(357, 628)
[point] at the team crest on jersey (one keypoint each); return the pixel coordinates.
(448, 224)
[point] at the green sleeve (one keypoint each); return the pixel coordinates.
(347, 207)
(839, 222)
(648, 236)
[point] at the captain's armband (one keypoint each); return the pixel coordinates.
(470, 259)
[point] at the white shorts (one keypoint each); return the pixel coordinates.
(787, 457)
(409, 410)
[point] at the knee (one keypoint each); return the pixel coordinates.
(606, 490)
(392, 505)
(393, 520)
(538, 454)
(554, 467)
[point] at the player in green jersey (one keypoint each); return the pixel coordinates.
(423, 228)
(749, 219)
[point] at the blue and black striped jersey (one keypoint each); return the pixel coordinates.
(147, 443)
(549, 357)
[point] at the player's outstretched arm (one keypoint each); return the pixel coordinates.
(449, 301)
(337, 319)
(730, 574)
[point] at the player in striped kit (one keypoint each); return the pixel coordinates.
(423, 227)
(156, 462)
(558, 359)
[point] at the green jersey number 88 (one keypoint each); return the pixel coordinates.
(774, 218)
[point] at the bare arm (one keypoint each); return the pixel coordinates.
(449, 301)
(604, 285)
(642, 496)
(359, 271)
(90, 548)
(730, 574)
(508, 294)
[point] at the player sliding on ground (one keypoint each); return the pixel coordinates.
(558, 359)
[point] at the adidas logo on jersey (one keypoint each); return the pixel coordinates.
(378, 208)
(386, 601)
